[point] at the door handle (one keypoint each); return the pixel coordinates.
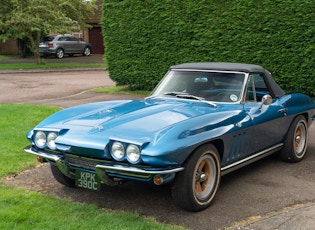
(284, 111)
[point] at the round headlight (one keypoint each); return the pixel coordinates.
(51, 137)
(118, 150)
(40, 139)
(133, 153)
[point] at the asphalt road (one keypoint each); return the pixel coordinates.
(267, 186)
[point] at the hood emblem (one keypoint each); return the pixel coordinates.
(99, 127)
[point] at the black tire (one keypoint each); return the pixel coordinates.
(295, 144)
(195, 187)
(87, 51)
(61, 178)
(60, 53)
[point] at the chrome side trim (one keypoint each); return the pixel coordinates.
(120, 168)
(229, 168)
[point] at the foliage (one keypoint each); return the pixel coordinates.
(144, 37)
(31, 19)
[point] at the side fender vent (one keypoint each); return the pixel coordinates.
(237, 146)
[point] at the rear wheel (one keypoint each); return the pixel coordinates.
(295, 144)
(195, 187)
(61, 178)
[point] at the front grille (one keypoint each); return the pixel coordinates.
(82, 162)
(90, 163)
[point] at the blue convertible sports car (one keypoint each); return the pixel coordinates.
(203, 120)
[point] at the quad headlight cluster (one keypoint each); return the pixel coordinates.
(45, 139)
(121, 151)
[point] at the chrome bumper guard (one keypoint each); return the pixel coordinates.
(43, 154)
(99, 169)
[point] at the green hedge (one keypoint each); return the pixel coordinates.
(144, 37)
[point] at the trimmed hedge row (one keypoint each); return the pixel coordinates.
(144, 37)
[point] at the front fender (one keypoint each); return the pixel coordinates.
(174, 145)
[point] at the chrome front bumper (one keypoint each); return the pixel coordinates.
(101, 169)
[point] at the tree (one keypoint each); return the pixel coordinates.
(31, 19)
(144, 37)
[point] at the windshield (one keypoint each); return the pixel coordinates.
(210, 86)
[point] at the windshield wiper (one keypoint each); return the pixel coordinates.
(175, 93)
(189, 96)
(184, 95)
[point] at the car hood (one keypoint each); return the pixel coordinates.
(130, 120)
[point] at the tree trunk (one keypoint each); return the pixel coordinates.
(37, 58)
(34, 41)
(21, 44)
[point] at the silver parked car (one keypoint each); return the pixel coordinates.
(59, 45)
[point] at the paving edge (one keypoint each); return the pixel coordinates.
(253, 219)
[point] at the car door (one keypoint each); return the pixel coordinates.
(269, 120)
(63, 42)
(75, 45)
(69, 44)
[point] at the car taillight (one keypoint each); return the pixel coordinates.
(50, 44)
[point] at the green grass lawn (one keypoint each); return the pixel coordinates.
(3, 57)
(15, 122)
(23, 209)
(43, 65)
(120, 90)
(14, 66)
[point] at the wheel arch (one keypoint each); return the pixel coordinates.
(217, 143)
(307, 117)
(305, 114)
(60, 47)
(87, 46)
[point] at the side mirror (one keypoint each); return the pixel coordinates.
(266, 100)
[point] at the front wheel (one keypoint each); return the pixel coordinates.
(61, 178)
(195, 187)
(295, 144)
(60, 53)
(87, 51)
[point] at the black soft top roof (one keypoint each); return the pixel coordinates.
(275, 89)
